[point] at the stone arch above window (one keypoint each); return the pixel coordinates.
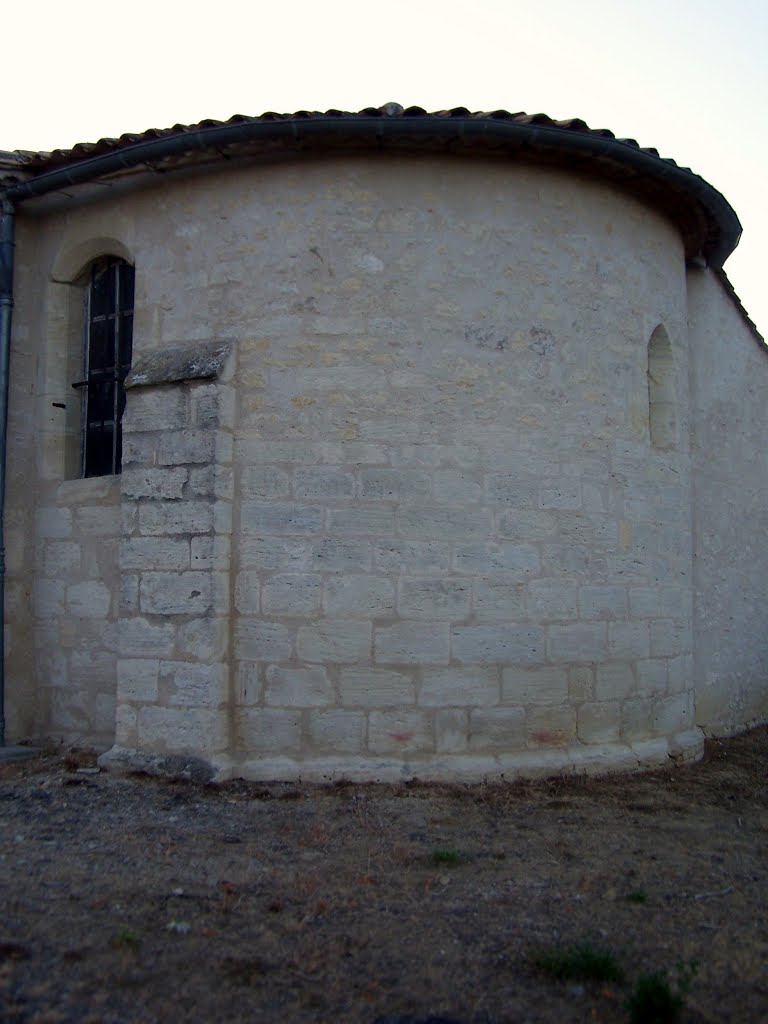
(73, 261)
(662, 397)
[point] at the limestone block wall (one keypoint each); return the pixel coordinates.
(424, 522)
(730, 512)
(76, 594)
(173, 671)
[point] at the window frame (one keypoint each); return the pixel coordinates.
(108, 314)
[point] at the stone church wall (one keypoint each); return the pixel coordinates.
(730, 511)
(431, 517)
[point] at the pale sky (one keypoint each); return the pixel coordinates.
(688, 78)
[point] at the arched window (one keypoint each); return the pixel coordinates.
(662, 404)
(108, 343)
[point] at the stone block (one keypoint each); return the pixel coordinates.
(175, 517)
(268, 731)
(362, 522)
(203, 479)
(644, 602)
(222, 517)
(669, 637)
(338, 731)
(497, 600)
(515, 489)
(606, 602)
(197, 732)
(552, 600)
(296, 594)
(287, 554)
(206, 639)
(496, 729)
(141, 638)
(53, 523)
(394, 485)
(451, 731)
(171, 593)
(545, 685)
(320, 482)
(139, 449)
(49, 598)
(154, 553)
(628, 640)
(411, 557)
(335, 640)
(125, 726)
(137, 680)
(563, 493)
(581, 683)
(60, 558)
(452, 487)
(459, 456)
(614, 681)
(510, 644)
(257, 640)
(523, 524)
(433, 598)
(155, 409)
(248, 683)
(359, 597)
(513, 561)
(192, 684)
(264, 482)
(414, 643)
(149, 482)
(90, 599)
(333, 555)
(652, 676)
(429, 522)
(578, 641)
(599, 723)
(673, 714)
(280, 517)
(637, 719)
(375, 688)
(400, 732)
(551, 726)
(680, 673)
(128, 595)
(461, 687)
(298, 687)
(576, 561)
(248, 592)
(204, 405)
(210, 552)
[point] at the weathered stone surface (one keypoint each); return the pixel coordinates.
(203, 360)
(412, 643)
(376, 688)
(455, 510)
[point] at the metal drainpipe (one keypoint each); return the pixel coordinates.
(7, 221)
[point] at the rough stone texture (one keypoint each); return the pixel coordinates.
(75, 604)
(417, 522)
(730, 517)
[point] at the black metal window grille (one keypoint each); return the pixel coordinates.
(108, 342)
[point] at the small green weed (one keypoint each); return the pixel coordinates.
(127, 939)
(656, 1000)
(579, 963)
(637, 896)
(448, 858)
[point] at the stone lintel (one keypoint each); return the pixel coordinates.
(198, 361)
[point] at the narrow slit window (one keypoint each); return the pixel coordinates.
(662, 401)
(108, 346)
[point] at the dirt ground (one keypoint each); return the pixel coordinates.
(142, 900)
